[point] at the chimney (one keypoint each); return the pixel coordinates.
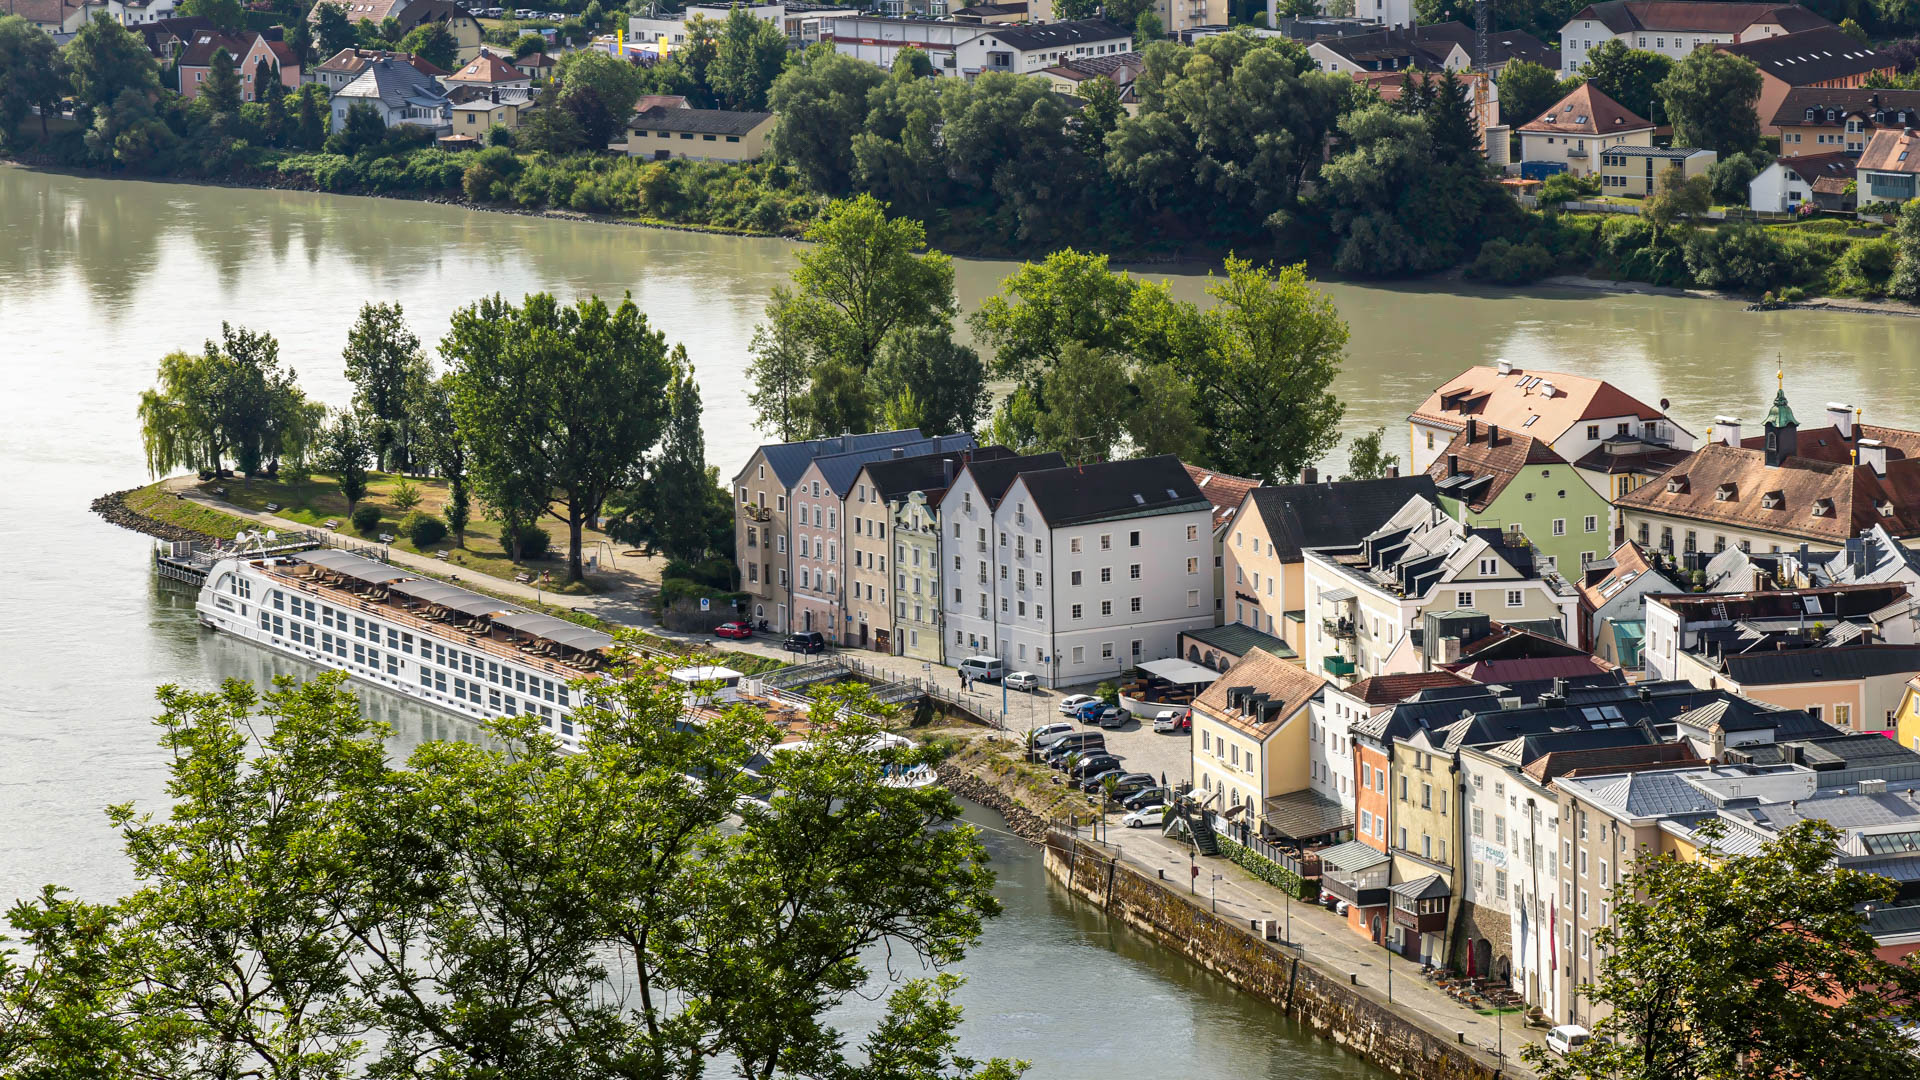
(1873, 454)
(1505, 366)
(1841, 417)
(946, 471)
(1473, 429)
(1646, 694)
(1726, 429)
(1546, 387)
(1447, 651)
(1393, 472)
(1309, 475)
(1493, 434)
(1453, 464)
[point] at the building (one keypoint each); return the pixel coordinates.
(1121, 69)
(803, 23)
(1491, 478)
(1262, 583)
(829, 511)
(1365, 16)
(1889, 165)
(1249, 746)
(761, 532)
(346, 65)
(1077, 573)
(1676, 29)
(1611, 594)
(699, 134)
(1822, 179)
(1822, 58)
(1394, 50)
(60, 18)
(1366, 604)
(1635, 170)
(489, 72)
(1579, 128)
(247, 49)
(400, 94)
(1227, 494)
(1813, 120)
(136, 12)
(992, 13)
(538, 67)
(1615, 438)
(877, 40)
(1787, 488)
(484, 112)
(1030, 49)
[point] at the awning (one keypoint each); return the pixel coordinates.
(353, 566)
(705, 673)
(1176, 670)
(1431, 887)
(1336, 596)
(1351, 856)
(558, 631)
(451, 597)
(1304, 814)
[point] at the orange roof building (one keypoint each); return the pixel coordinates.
(1578, 127)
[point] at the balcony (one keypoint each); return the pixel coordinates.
(1338, 629)
(1352, 893)
(1420, 922)
(755, 513)
(1338, 666)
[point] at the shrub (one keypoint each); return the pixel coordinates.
(534, 542)
(1565, 187)
(1627, 249)
(1742, 258)
(1506, 263)
(366, 517)
(1269, 871)
(423, 529)
(405, 496)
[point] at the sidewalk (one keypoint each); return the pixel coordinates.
(1325, 939)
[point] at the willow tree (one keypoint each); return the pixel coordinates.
(232, 400)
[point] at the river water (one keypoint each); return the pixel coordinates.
(99, 278)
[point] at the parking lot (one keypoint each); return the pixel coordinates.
(1136, 744)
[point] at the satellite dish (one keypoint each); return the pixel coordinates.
(270, 534)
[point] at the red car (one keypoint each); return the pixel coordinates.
(733, 630)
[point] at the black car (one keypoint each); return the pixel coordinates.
(807, 641)
(1093, 782)
(1140, 800)
(1094, 765)
(1133, 782)
(1058, 754)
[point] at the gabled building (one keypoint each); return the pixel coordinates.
(1576, 130)
(1494, 479)
(1815, 120)
(1889, 169)
(136, 12)
(1611, 592)
(1249, 745)
(489, 72)
(1676, 29)
(247, 49)
(1032, 48)
(1121, 69)
(1790, 182)
(1226, 494)
(60, 18)
(1823, 58)
(399, 94)
(346, 65)
(699, 134)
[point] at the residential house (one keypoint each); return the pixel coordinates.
(1365, 601)
(1505, 479)
(247, 49)
(1121, 69)
(347, 65)
(486, 110)
(1788, 182)
(1889, 165)
(1611, 591)
(1262, 583)
(136, 12)
(1477, 89)
(489, 72)
(825, 517)
(1249, 746)
(1816, 120)
(1579, 128)
(1785, 488)
(699, 134)
(1227, 494)
(538, 67)
(1636, 170)
(399, 94)
(1077, 573)
(60, 18)
(884, 550)
(1030, 49)
(1412, 49)
(1609, 434)
(761, 530)
(1338, 714)
(1498, 654)
(1676, 29)
(1823, 58)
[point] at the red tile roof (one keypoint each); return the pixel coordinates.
(1394, 689)
(1489, 458)
(1587, 111)
(1518, 401)
(1892, 151)
(1225, 492)
(1806, 497)
(488, 68)
(1629, 562)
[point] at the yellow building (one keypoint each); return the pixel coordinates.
(1636, 170)
(482, 115)
(1250, 735)
(1906, 718)
(700, 134)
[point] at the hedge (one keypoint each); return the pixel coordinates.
(1270, 872)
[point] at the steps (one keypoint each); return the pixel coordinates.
(1205, 840)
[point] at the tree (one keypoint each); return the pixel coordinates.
(1563, 187)
(225, 14)
(570, 398)
(1731, 177)
(947, 381)
(434, 43)
(821, 99)
(1710, 98)
(1147, 28)
(388, 371)
(527, 45)
(1631, 77)
(1853, 30)
(1099, 117)
(32, 76)
(222, 89)
(443, 447)
(1676, 196)
(1745, 967)
(346, 452)
(667, 511)
(862, 279)
(552, 129)
(1450, 124)
(613, 81)
(115, 80)
(1527, 89)
(751, 54)
(363, 129)
(911, 62)
(1043, 307)
(1395, 204)
(900, 157)
(1905, 283)
(1007, 139)
(233, 400)
(1263, 387)
(334, 30)
(1086, 393)
(309, 116)
(1367, 459)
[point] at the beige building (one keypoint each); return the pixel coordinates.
(481, 115)
(1635, 171)
(1578, 128)
(699, 134)
(1250, 736)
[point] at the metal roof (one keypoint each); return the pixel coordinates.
(1352, 855)
(558, 631)
(353, 566)
(1176, 670)
(1431, 887)
(1305, 813)
(451, 597)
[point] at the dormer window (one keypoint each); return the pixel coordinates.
(1676, 485)
(1885, 507)
(1809, 114)
(1772, 500)
(1823, 508)
(1725, 493)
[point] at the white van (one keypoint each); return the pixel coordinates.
(983, 668)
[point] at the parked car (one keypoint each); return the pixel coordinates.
(1567, 1038)
(1080, 742)
(1094, 764)
(1113, 716)
(1046, 735)
(1128, 783)
(1145, 816)
(733, 630)
(983, 668)
(1023, 680)
(806, 641)
(1089, 711)
(1070, 705)
(1093, 782)
(1173, 720)
(1140, 800)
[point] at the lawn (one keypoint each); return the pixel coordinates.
(160, 505)
(317, 500)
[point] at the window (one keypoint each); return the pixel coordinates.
(1591, 524)
(1106, 574)
(1463, 599)
(1075, 611)
(1560, 526)
(1106, 541)
(1134, 605)
(1106, 607)
(1133, 539)
(1193, 532)
(1193, 566)
(1073, 545)
(1193, 598)
(1133, 572)
(1515, 598)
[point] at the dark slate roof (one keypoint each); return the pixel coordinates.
(994, 477)
(1874, 106)
(1305, 814)
(1744, 714)
(1431, 887)
(838, 470)
(698, 121)
(1110, 489)
(895, 477)
(1239, 639)
(1333, 514)
(1840, 811)
(1821, 665)
(396, 84)
(1441, 706)
(789, 460)
(1059, 34)
(1834, 751)
(1810, 56)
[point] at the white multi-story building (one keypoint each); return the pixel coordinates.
(1674, 30)
(1076, 573)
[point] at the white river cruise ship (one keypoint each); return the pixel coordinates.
(418, 637)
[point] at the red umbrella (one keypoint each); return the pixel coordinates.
(1470, 971)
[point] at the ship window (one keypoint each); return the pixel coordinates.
(493, 699)
(520, 681)
(509, 706)
(440, 681)
(393, 664)
(279, 600)
(406, 643)
(373, 659)
(563, 695)
(546, 689)
(426, 678)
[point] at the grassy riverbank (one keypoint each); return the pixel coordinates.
(165, 507)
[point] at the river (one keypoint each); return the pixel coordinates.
(99, 278)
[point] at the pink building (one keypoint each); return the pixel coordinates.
(248, 48)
